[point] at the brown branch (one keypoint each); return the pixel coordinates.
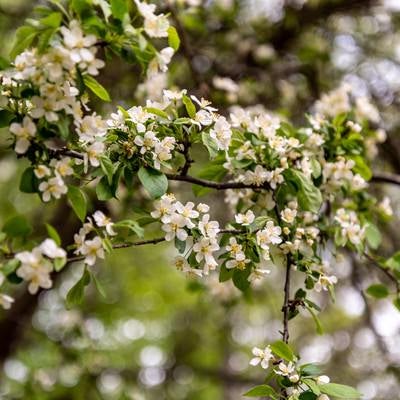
(286, 301)
(149, 241)
(214, 185)
(385, 177)
(384, 270)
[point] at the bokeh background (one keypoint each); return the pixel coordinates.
(156, 334)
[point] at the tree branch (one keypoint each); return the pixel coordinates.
(286, 301)
(212, 184)
(149, 241)
(385, 177)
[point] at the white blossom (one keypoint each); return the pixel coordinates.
(174, 227)
(24, 133)
(104, 222)
(208, 228)
(245, 219)
(92, 249)
(54, 187)
(262, 357)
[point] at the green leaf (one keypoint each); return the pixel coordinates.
(78, 201)
(99, 286)
(119, 8)
(341, 391)
(308, 195)
(316, 168)
(29, 182)
(317, 322)
(394, 261)
(155, 182)
(53, 20)
(225, 274)
(361, 167)
(98, 89)
(310, 369)
(10, 266)
(282, 350)
(131, 225)
(53, 234)
(210, 143)
(373, 236)
(24, 37)
(157, 112)
(103, 190)
(190, 107)
(312, 385)
(240, 279)
(75, 295)
(262, 390)
(60, 263)
(378, 291)
(17, 226)
(108, 168)
(173, 38)
(14, 278)
(80, 6)
(308, 396)
(180, 245)
(5, 118)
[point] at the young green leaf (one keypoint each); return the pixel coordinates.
(378, 291)
(24, 37)
(98, 89)
(262, 390)
(75, 295)
(29, 182)
(107, 167)
(309, 196)
(78, 201)
(373, 236)
(155, 182)
(190, 107)
(103, 190)
(51, 231)
(282, 350)
(99, 286)
(317, 322)
(173, 38)
(210, 144)
(119, 8)
(340, 391)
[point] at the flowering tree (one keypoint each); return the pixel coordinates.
(298, 194)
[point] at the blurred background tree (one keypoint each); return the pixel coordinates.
(157, 335)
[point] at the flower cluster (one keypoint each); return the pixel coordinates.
(99, 231)
(294, 379)
(350, 227)
(37, 264)
(179, 221)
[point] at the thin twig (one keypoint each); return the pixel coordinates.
(286, 301)
(384, 270)
(149, 241)
(213, 184)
